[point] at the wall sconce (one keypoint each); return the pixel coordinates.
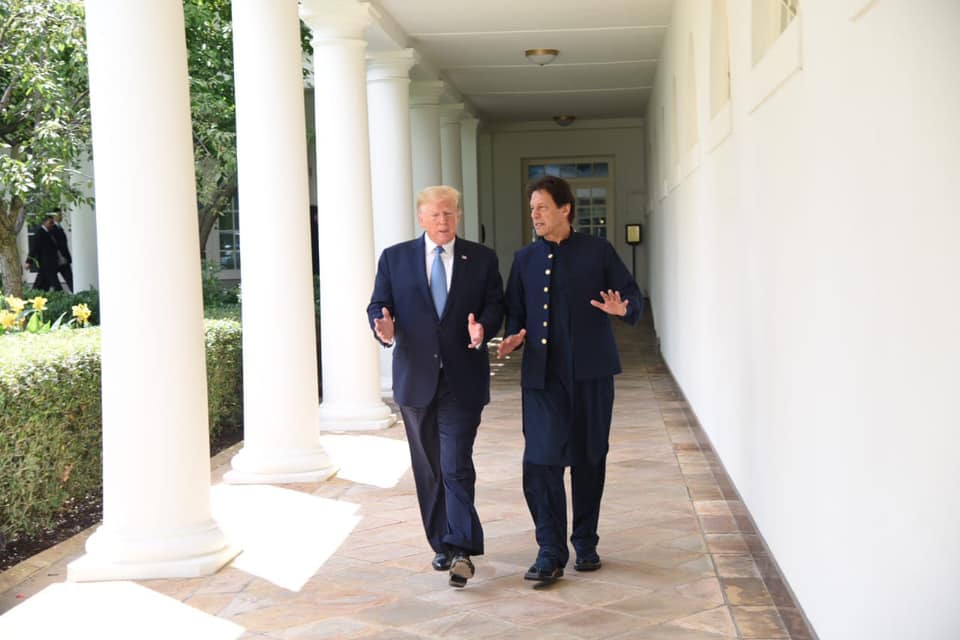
(541, 56)
(634, 236)
(564, 121)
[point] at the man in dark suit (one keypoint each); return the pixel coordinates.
(437, 299)
(65, 260)
(44, 256)
(569, 360)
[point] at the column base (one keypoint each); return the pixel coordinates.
(104, 558)
(343, 418)
(277, 467)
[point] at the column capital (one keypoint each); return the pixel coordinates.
(451, 113)
(426, 92)
(469, 123)
(390, 65)
(336, 19)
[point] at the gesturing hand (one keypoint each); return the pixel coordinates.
(475, 329)
(612, 303)
(383, 327)
(510, 343)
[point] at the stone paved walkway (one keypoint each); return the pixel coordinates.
(347, 558)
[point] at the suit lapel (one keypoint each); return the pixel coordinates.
(460, 262)
(418, 267)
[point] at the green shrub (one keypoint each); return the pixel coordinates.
(224, 375)
(49, 425)
(50, 417)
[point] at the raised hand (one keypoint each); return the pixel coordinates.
(383, 327)
(475, 329)
(510, 343)
(612, 303)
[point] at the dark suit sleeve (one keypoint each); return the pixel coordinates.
(491, 317)
(619, 279)
(62, 245)
(382, 295)
(516, 310)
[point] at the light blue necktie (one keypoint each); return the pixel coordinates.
(438, 281)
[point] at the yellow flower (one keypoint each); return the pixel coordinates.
(8, 319)
(82, 313)
(16, 304)
(39, 303)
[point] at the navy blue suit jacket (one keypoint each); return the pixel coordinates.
(592, 265)
(422, 339)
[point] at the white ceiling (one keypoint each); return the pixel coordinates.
(608, 53)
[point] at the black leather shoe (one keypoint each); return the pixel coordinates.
(461, 570)
(544, 571)
(441, 561)
(588, 562)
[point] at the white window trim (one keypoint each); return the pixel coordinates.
(779, 63)
(859, 8)
(721, 125)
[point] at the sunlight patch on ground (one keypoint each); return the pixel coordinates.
(372, 460)
(110, 610)
(285, 535)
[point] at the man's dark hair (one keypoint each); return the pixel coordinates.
(559, 190)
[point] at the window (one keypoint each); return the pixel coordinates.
(229, 238)
(776, 50)
(770, 19)
(591, 211)
(719, 58)
(592, 183)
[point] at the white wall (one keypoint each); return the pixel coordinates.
(503, 148)
(805, 280)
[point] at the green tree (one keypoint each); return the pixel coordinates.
(44, 116)
(210, 62)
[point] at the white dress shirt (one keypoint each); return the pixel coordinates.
(446, 256)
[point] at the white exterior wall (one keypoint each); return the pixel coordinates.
(510, 144)
(804, 278)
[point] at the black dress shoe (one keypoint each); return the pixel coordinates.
(544, 571)
(461, 570)
(441, 561)
(588, 562)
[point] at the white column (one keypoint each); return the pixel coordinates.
(425, 135)
(351, 380)
(280, 432)
(450, 155)
(156, 458)
(83, 237)
(471, 200)
(388, 89)
(451, 162)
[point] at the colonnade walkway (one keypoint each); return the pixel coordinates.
(347, 558)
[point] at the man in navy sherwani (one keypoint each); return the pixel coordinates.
(562, 291)
(437, 299)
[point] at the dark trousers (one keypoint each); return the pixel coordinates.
(441, 438)
(47, 280)
(66, 270)
(546, 499)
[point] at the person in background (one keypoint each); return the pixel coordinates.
(64, 260)
(43, 256)
(562, 292)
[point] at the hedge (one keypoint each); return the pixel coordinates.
(50, 417)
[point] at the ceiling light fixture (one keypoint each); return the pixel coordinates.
(541, 56)
(564, 121)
